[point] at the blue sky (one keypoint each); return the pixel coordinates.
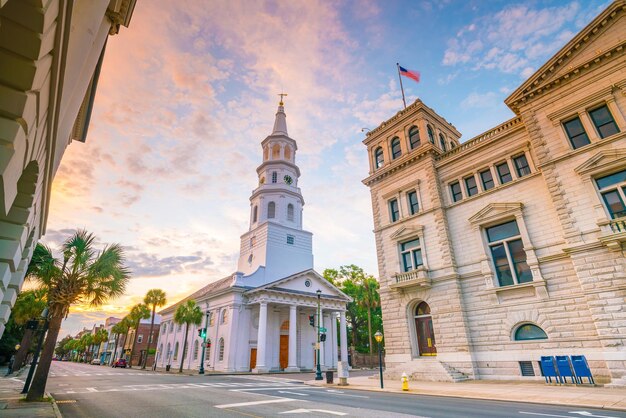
(189, 91)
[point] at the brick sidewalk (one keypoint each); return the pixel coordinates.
(579, 396)
(11, 403)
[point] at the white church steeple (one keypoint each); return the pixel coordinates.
(275, 243)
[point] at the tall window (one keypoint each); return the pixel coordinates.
(442, 142)
(507, 252)
(470, 186)
(221, 348)
(529, 332)
(139, 339)
(455, 189)
(576, 133)
(169, 349)
(274, 177)
(255, 213)
(414, 137)
(176, 351)
(504, 173)
(271, 210)
(412, 201)
(396, 150)
(411, 254)
(394, 210)
(613, 191)
(431, 136)
(380, 159)
(521, 165)
(211, 319)
(195, 350)
(171, 326)
(290, 212)
(224, 317)
(487, 179)
(603, 121)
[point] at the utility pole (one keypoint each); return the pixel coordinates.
(318, 373)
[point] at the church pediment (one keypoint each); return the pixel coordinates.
(495, 211)
(594, 45)
(305, 283)
(604, 160)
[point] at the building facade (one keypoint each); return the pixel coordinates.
(51, 53)
(509, 246)
(258, 319)
(141, 346)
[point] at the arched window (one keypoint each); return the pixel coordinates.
(529, 332)
(431, 136)
(276, 152)
(271, 210)
(442, 142)
(211, 319)
(380, 159)
(208, 350)
(171, 326)
(224, 316)
(287, 153)
(221, 352)
(452, 145)
(265, 153)
(176, 352)
(195, 350)
(274, 177)
(414, 137)
(290, 212)
(255, 212)
(396, 151)
(422, 309)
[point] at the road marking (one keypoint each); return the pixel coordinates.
(544, 415)
(306, 411)
(340, 393)
(235, 405)
(273, 388)
(589, 414)
(92, 389)
(292, 393)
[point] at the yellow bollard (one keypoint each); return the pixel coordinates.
(405, 382)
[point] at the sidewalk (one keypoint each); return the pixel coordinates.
(11, 403)
(579, 396)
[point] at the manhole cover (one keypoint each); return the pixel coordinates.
(67, 401)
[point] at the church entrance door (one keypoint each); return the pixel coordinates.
(252, 358)
(284, 351)
(424, 330)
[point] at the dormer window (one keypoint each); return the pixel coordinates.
(378, 155)
(396, 151)
(414, 137)
(431, 136)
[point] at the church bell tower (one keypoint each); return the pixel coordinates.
(275, 245)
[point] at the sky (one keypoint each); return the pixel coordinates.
(188, 92)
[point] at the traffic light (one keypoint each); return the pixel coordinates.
(312, 320)
(322, 337)
(202, 332)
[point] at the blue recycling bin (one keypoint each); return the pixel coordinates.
(581, 369)
(548, 368)
(564, 367)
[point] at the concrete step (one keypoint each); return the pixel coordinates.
(427, 370)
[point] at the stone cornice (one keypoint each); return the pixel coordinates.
(401, 162)
(264, 164)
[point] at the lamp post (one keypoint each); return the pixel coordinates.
(33, 365)
(206, 327)
(379, 339)
(318, 372)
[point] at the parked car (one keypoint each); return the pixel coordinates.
(95, 361)
(120, 362)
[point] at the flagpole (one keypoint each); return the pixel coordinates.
(401, 87)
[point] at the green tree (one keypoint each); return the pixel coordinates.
(28, 305)
(137, 313)
(370, 299)
(187, 313)
(86, 340)
(101, 336)
(154, 298)
(62, 346)
(117, 330)
(83, 275)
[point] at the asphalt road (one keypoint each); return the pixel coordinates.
(98, 391)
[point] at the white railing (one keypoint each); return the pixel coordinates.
(618, 225)
(414, 277)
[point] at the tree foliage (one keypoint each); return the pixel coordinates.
(154, 298)
(363, 314)
(187, 313)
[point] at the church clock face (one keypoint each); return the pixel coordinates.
(288, 179)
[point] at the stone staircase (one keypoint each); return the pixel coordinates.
(427, 369)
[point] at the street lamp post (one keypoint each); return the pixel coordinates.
(33, 365)
(318, 373)
(379, 339)
(206, 327)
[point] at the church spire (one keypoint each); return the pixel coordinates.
(280, 124)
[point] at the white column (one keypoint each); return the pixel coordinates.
(343, 336)
(292, 365)
(261, 339)
(333, 339)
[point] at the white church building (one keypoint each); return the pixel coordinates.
(259, 317)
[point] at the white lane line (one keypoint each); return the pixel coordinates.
(278, 400)
(292, 393)
(307, 411)
(340, 393)
(544, 415)
(272, 388)
(92, 389)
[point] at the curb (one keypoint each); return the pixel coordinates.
(55, 407)
(486, 398)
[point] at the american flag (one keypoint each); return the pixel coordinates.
(415, 75)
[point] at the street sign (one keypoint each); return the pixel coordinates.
(322, 329)
(317, 346)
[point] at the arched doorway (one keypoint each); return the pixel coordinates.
(424, 330)
(284, 345)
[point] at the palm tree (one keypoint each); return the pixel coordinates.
(155, 298)
(81, 276)
(128, 324)
(28, 306)
(85, 344)
(137, 313)
(101, 336)
(118, 329)
(369, 300)
(188, 313)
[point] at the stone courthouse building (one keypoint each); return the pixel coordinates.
(258, 318)
(510, 245)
